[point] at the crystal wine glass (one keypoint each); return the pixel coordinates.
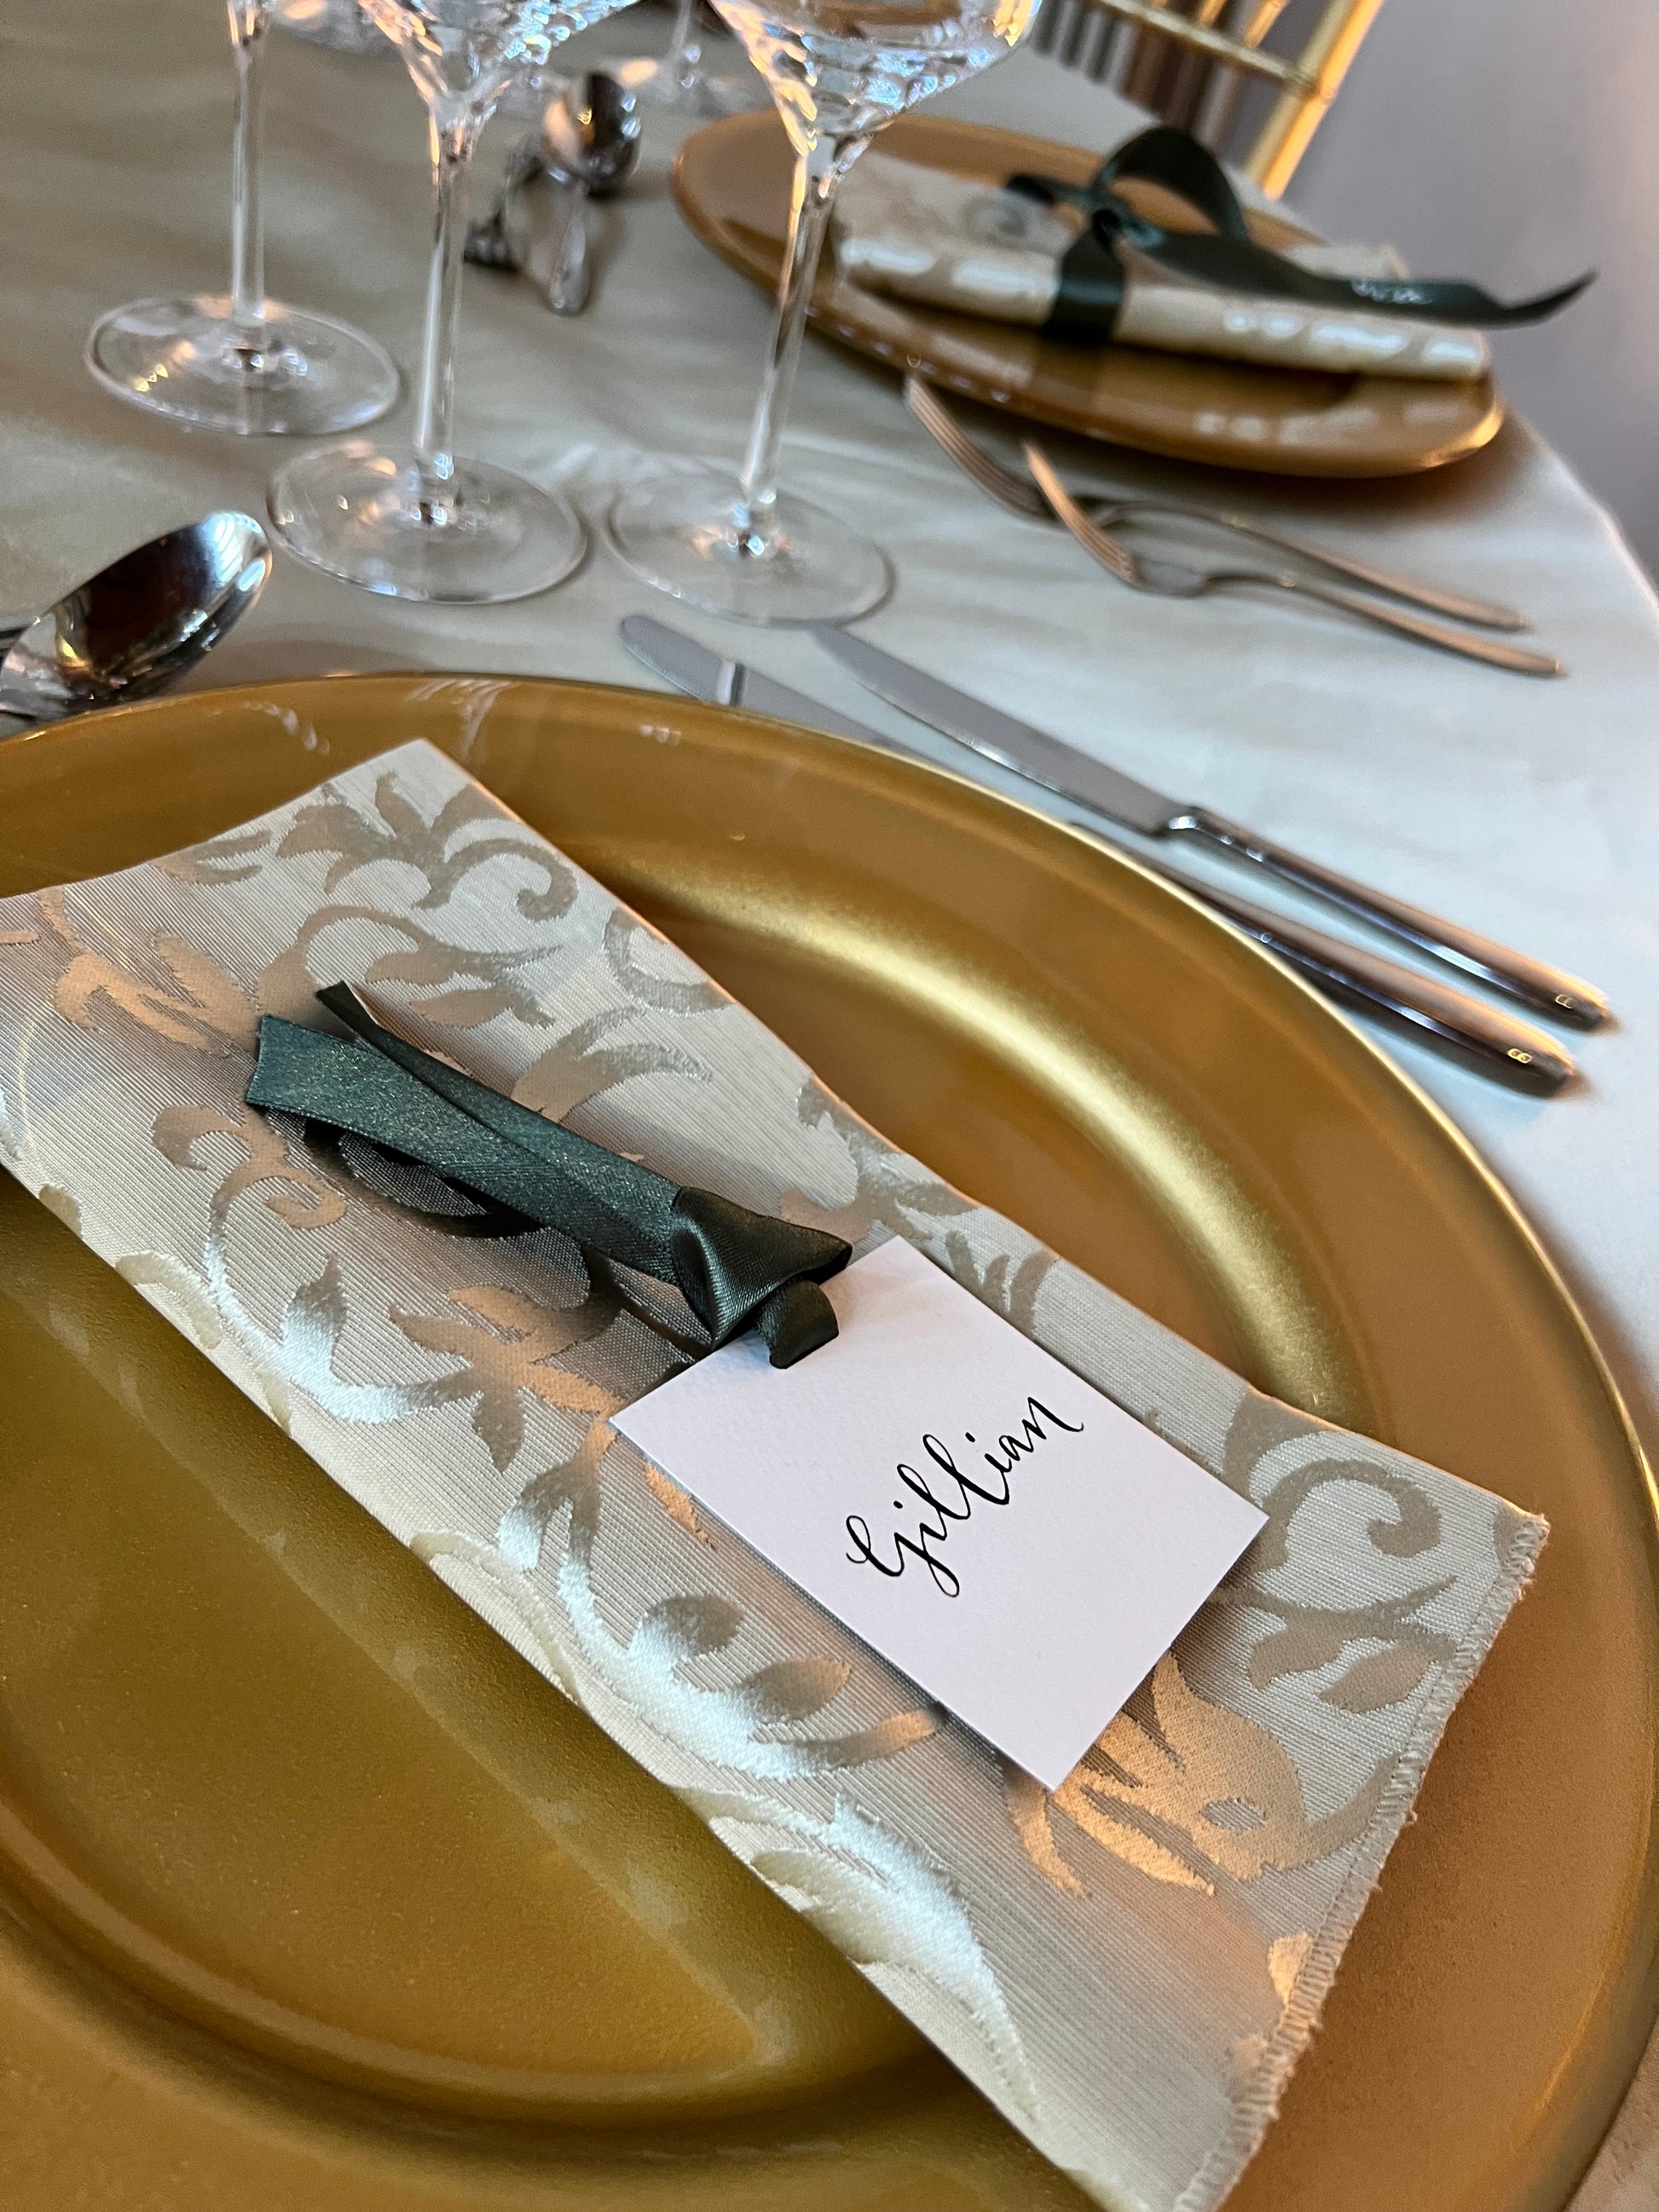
(243, 363)
(838, 70)
(418, 521)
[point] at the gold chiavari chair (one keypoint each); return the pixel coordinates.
(1194, 62)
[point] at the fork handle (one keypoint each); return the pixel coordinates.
(1497, 1043)
(1546, 989)
(1423, 628)
(1431, 596)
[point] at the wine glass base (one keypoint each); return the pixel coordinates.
(301, 375)
(681, 533)
(374, 517)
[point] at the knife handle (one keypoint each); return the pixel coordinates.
(1547, 990)
(1497, 1043)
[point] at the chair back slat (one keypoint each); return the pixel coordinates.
(1191, 61)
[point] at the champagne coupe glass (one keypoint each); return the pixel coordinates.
(418, 521)
(243, 363)
(838, 70)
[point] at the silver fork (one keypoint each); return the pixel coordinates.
(1178, 579)
(1020, 496)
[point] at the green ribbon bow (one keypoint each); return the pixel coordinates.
(1093, 280)
(736, 1270)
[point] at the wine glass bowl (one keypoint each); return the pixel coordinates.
(468, 50)
(838, 70)
(843, 68)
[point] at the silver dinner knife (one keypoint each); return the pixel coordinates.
(1498, 1043)
(1090, 783)
(692, 667)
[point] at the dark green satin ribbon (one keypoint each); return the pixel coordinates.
(1093, 280)
(737, 1270)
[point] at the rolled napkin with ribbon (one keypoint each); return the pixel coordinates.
(1084, 264)
(1127, 1966)
(735, 1269)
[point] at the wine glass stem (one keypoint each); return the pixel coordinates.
(819, 170)
(683, 51)
(249, 22)
(454, 136)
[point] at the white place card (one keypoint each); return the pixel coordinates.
(1020, 1546)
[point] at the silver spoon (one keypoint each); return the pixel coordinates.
(139, 624)
(590, 142)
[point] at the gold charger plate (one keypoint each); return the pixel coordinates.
(731, 181)
(316, 1899)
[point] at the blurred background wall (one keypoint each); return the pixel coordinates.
(1516, 141)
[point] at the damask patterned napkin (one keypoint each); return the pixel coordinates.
(920, 233)
(1128, 1968)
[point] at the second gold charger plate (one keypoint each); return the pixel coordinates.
(316, 1899)
(731, 182)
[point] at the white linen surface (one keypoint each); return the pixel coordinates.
(1525, 808)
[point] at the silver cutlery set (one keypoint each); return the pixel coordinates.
(1488, 1037)
(1042, 497)
(584, 149)
(144, 622)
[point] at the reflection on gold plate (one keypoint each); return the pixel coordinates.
(731, 181)
(321, 1901)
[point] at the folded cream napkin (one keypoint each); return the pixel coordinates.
(1129, 1967)
(921, 234)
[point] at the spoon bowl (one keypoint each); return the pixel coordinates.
(139, 624)
(591, 135)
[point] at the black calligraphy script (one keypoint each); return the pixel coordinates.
(920, 1540)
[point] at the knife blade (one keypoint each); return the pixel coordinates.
(1000, 738)
(1090, 783)
(1485, 1037)
(706, 675)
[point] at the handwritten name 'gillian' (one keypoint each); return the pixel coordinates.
(922, 1541)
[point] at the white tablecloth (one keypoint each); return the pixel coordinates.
(1526, 808)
